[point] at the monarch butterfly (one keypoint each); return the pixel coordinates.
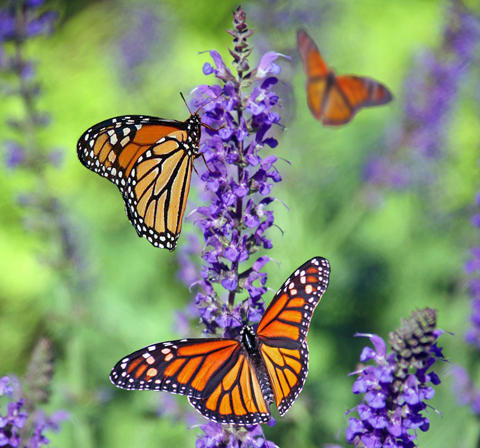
(335, 100)
(150, 160)
(236, 381)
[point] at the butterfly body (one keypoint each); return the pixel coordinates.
(236, 381)
(335, 100)
(150, 160)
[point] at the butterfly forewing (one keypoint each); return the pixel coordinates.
(188, 367)
(312, 60)
(287, 318)
(150, 160)
(284, 326)
(214, 373)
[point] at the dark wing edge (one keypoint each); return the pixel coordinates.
(85, 142)
(283, 329)
(287, 378)
(286, 320)
(101, 149)
(238, 398)
(185, 367)
(214, 373)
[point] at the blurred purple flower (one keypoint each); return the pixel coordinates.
(430, 91)
(144, 30)
(34, 24)
(464, 387)
(44, 423)
(396, 387)
(472, 268)
(465, 391)
(5, 386)
(14, 154)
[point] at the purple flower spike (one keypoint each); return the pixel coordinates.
(5, 386)
(430, 93)
(472, 268)
(239, 182)
(396, 387)
(466, 391)
(235, 221)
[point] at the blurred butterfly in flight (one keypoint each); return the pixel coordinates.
(150, 160)
(335, 100)
(236, 381)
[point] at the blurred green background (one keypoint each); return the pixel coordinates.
(391, 251)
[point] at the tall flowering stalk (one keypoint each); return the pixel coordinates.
(466, 391)
(239, 183)
(472, 268)
(396, 387)
(430, 91)
(44, 213)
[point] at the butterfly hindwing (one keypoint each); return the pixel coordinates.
(284, 326)
(237, 399)
(288, 370)
(150, 160)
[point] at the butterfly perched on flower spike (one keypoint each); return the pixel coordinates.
(150, 160)
(236, 381)
(335, 100)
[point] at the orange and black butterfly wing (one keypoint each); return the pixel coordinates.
(214, 373)
(150, 160)
(237, 398)
(319, 78)
(335, 100)
(283, 329)
(348, 94)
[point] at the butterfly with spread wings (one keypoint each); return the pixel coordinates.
(236, 381)
(150, 160)
(335, 100)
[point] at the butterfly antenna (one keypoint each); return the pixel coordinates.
(208, 102)
(186, 104)
(231, 315)
(205, 160)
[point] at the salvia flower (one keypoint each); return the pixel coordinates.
(13, 419)
(218, 435)
(238, 183)
(239, 180)
(397, 385)
(19, 428)
(465, 390)
(472, 268)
